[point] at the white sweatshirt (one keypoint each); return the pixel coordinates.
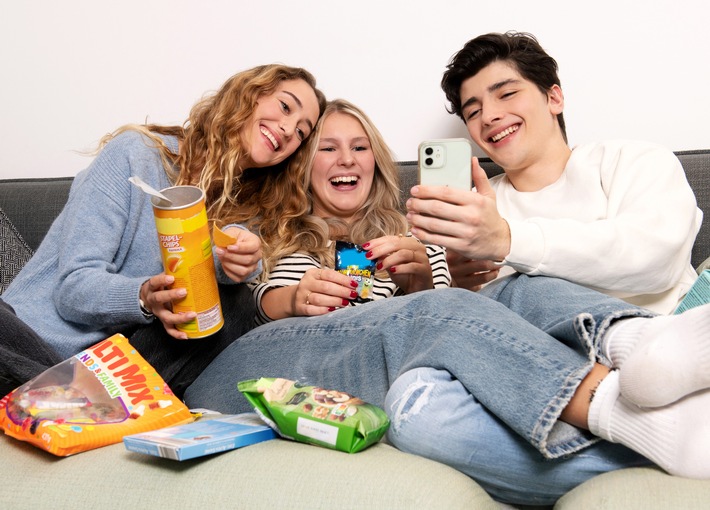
(621, 219)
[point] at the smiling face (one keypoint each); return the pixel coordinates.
(343, 169)
(279, 123)
(511, 119)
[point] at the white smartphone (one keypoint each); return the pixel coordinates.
(446, 162)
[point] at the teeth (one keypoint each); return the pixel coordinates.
(503, 134)
(343, 179)
(271, 138)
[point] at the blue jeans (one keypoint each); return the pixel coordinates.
(521, 348)
(434, 416)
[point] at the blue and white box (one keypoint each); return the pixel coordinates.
(200, 438)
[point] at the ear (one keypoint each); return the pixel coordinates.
(556, 100)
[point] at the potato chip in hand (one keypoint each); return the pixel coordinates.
(221, 238)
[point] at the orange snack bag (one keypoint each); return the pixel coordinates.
(91, 400)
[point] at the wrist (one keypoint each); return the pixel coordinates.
(147, 313)
(505, 243)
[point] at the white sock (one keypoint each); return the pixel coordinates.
(662, 359)
(675, 437)
(621, 339)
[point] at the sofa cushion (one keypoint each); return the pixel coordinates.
(14, 251)
(637, 488)
(268, 475)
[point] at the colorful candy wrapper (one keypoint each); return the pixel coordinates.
(91, 400)
(310, 414)
(350, 260)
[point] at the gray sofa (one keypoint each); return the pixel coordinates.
(279, 474)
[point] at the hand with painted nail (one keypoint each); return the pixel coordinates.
(318, 292)
(405, 259)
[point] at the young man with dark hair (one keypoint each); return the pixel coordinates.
(617, 216)
(589, 215)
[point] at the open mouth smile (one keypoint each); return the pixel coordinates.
(344, 180)
(498, 137)
(270, 136)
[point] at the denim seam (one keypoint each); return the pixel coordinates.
(608, 322)
(590, 333)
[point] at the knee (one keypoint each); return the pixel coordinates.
(408, 395)
(441, 305)
(420, 403)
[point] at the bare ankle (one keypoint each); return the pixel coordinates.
(577, 409)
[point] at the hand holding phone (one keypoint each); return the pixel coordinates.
(445, 162)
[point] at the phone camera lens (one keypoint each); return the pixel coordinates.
(429, 161)
(429, 151)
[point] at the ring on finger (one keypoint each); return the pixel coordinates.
(307, 296)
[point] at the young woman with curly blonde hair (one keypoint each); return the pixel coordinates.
(99, 269)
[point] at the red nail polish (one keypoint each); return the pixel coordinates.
(368, 254)
(353, 294)
(345, 302)
(393, 269)
(379, 265)
(353, 283)
(366, 245)
(331, 309)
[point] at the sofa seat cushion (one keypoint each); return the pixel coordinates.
(268, 475)
(14, 251)
(638, 489)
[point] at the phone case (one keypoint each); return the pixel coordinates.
(445, 162)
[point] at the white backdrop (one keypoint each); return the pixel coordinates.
(75, 70)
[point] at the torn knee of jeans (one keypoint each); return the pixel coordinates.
(415, 397)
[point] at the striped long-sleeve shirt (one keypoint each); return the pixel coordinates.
(289, 271)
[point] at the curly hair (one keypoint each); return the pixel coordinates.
(286, 223)
(211, 144)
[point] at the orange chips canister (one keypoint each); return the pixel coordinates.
(186, 247)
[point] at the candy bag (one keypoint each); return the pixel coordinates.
(91, 400)
(315, 415)
(350, 260)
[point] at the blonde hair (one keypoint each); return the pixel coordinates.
(211, 146)
(287, 223)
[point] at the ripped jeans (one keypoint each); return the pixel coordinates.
(434, 416)
(521, 348)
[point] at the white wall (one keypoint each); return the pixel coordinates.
(72, 71)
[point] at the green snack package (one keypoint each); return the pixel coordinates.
(314, 415)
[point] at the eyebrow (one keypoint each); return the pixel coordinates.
(492, 88)
(359, 139)
(300, 105)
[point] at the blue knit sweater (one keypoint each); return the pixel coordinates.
(82, 285)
